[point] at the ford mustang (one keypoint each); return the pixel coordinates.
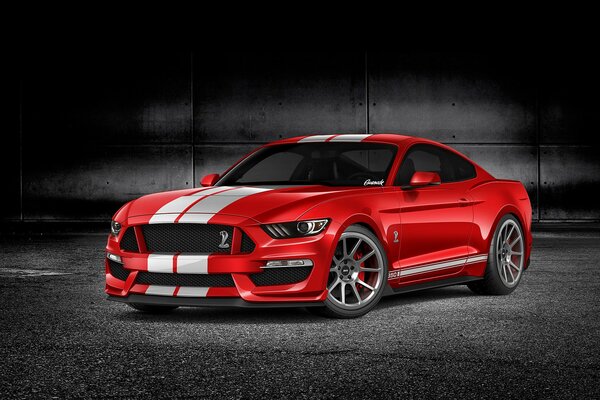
(327, 222)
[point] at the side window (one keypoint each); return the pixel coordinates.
(462, 169)
(428, 158)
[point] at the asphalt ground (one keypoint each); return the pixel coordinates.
(59, 337)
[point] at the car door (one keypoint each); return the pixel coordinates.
(436, 220)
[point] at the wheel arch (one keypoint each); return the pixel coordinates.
(370, 224)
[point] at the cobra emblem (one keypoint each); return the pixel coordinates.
(224, 237)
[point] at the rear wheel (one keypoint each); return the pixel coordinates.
(357, 275)
(505, 259)
(151, 308)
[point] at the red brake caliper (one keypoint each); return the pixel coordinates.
(357, 256)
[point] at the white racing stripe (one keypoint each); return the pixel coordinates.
(433, 267)
(437, 266)
(168, 213)
(315, 138)
(185, 263)
(161, 263)
(213, 190)
(205, 208)
(476, 259)
(192, 264)
(189, 291)
(208, 201)
(349, 138)
(158, 290)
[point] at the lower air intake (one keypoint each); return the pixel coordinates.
(198, 280)
(117, 270)
(280, 276)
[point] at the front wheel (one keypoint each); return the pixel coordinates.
(357, 275)
(505, 260)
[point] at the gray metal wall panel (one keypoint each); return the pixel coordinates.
(246, 97)
(568, 176)
(95, 181)
(518, 162)
(568, 100)
(108, 98)
(453, 99)
(10, 159)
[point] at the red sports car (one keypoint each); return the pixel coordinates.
(328, 222)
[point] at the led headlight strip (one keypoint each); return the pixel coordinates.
(295, 229)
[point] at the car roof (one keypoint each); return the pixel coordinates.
(350, 137)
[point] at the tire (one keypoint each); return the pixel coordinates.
(151, 308)
(359, 269)
(505, 262)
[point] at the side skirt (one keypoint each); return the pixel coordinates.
(430, 285)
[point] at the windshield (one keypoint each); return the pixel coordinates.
(329, 163)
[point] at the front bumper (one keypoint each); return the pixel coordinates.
(243, 292)
(233, 302)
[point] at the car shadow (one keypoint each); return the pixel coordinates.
(422, 296)
(220, 315)
(210, 315)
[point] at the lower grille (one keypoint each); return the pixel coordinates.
(199, 280)
(280, 276)
(117, 270)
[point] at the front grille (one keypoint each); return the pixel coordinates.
(280, 276)
(247, 244)
(128, 242)
(117, 270)
(199, 280)
(187, 238)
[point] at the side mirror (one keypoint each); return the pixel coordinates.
(421, 178)
(209, 180)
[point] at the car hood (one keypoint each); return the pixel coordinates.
(261, 203)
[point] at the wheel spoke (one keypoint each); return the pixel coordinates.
(504, 270)
(515, 242)
(355, 248)
(371, 288)
(364, 258)
(512, 228)
(370, 269)
(333, 269)
(344, 247)
(510, 272)
(337, 282)
(516, 253)
(514, 266)
(343, 292)
(353, 285)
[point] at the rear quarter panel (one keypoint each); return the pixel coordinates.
(491, 201)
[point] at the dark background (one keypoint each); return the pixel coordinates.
(86, 131)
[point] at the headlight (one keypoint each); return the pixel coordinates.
(115, 228)
(295, 229)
